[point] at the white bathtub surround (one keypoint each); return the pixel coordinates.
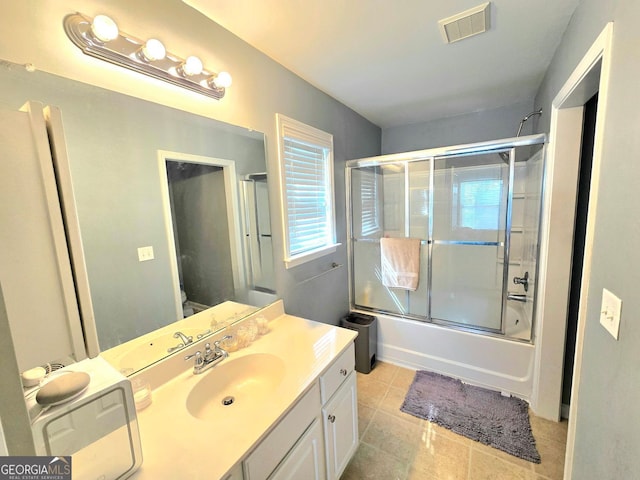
(487, 361)
(518, 320)
(178, 445)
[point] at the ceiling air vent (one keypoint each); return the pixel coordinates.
(465, 24)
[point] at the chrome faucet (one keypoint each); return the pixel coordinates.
(210, 358)
(183, 338)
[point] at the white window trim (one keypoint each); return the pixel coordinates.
(288, 127)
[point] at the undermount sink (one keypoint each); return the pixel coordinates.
(242, 384)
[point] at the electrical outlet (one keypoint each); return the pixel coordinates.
(610, 312)
(145, 253)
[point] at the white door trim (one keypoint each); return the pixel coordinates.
(590, 76)
(233, 216)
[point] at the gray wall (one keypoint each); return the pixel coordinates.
(113, 142)
(261, 88)
(607, 433)
(31, 32)
(502, 122)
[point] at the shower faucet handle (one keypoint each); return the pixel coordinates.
(524, 281)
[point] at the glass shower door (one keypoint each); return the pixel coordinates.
(378, 209)
(389, 200)
(470, 225)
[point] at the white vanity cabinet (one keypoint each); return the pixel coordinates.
(287, 439)
(340, 413)
(319, 435)
(306, 460)
(235, 473)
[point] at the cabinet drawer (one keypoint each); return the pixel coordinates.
(275, 446)
(339, 370)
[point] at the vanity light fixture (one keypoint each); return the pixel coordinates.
(153, 50)
(100, 38)
(104, 29)
(191, 66)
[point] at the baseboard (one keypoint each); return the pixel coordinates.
(564, 411)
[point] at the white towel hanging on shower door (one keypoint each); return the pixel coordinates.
(400, 261)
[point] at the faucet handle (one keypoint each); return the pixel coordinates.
(198, 356)
(218, 348)
(217, 343)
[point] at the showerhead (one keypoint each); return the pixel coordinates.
(527, 117)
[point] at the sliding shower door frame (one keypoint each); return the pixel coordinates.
(505, 145)
(505, 243)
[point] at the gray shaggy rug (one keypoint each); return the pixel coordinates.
(477, 413)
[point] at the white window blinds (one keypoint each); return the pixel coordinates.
(306, 162)
(480, 202)
(369, 199)
(307, 191)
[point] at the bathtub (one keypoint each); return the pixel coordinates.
(518, 320)
(487, 361)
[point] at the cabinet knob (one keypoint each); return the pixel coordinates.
(331, 418)
(343, 372)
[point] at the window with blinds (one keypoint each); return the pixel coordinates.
(480, 204)
(306, 164)
(369, 199)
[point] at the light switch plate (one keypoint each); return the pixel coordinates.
(610, 312)
(145, 253)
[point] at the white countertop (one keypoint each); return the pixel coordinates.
(177, 445)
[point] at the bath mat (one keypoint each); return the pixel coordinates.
(477, 413)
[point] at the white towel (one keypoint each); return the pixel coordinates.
(400, 260)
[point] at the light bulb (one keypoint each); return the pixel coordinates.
(153, 50)
(192, 66)
(104, 28)
(223, 80)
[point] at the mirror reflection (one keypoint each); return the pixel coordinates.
(201, 234)
(257, 228)
(114, 143)
(202, 219)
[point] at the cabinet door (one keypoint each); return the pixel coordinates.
(306, 459)
(340, 417)
(262, 462)
(235, 473)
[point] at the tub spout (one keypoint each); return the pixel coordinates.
(518, 297)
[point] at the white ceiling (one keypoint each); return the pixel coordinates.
(386, 58)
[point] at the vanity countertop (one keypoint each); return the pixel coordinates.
(176, 444)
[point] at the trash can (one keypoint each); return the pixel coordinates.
(366, 342)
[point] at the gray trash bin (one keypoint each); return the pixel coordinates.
(366, 342)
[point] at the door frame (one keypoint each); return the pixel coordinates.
(590, 76)
(233, 216)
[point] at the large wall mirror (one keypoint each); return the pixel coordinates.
(116, 145)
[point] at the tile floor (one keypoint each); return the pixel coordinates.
(395, 445)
